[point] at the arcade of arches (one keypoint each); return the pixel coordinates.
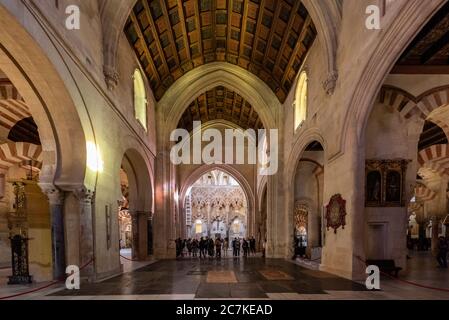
(87, 116)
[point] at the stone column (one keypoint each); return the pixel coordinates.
(56, 201)
(164, 227)
(150, 234)
(86, 239)
(435, 225)
(135, 235)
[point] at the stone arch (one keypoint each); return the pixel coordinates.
(244, 184)
(327, 17)
(298, 150)
(291, 168)
(17, 153)
(201, 79)
(421, 107)
(409, 105)
(435, 159)
(39, 84)
(140, 199)
(198, 173)
(400, 32)
(260, 190)
(113, 18)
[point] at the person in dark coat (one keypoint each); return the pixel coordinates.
(245, 248)
(202, 246)
(442, 252)
(211, 248)
(237, 247)
(252, 245)
(218, 248)
(178, 243)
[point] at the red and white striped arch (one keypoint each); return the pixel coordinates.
(12, 107)
(435, 159)
(12, 154)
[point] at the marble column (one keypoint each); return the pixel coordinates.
(56, 201)
(86, 238)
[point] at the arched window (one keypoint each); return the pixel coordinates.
(301, 100)
(140, 99)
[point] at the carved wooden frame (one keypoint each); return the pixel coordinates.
(384, 167)
(340, 221)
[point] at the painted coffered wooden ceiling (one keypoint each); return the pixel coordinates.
(270, 38)
(221, 103)
(429, 51)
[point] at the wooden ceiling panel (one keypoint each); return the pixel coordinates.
(270, 38)
(221, 103)
(429, 51)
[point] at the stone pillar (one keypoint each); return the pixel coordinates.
(150, 234)
(164, 228)
(86, 239)
(56, 201)
(135, 235)
(435, 225)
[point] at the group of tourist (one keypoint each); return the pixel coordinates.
(208, 247)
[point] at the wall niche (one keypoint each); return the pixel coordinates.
(384, 183)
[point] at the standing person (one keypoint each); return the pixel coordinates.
(252, 245)
(178, 243)
(234, 247)
(264, 247)
(218, 248)
(211, 246)
(202, 251)
(226, 246)
(245, 248)
(195, 248)
(237, 247)
(189, 247)
(442, 252)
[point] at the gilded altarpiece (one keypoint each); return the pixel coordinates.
(385, 183)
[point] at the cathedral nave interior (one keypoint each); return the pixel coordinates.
(354, 121)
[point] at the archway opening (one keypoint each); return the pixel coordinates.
(308, 233)
(125, 218)
(216, 207)
(31, 240)
(135, 213)
(406, 179)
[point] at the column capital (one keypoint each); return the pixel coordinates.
(54, 195)
(84, 195)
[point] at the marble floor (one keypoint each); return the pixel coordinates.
(253, 278)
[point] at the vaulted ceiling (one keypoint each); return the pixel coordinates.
(429, 51)
(270, 38)
(221, 103)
